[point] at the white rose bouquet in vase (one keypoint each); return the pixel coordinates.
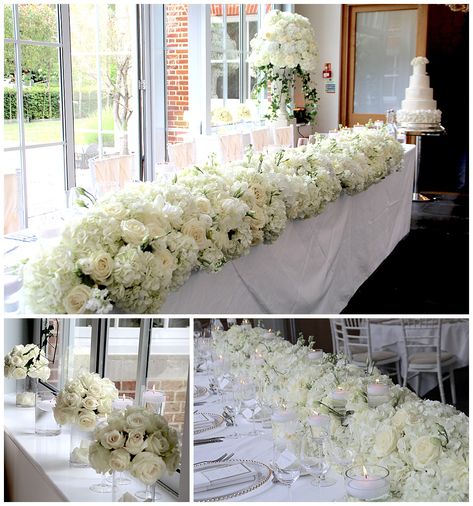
(26, 364)
(138, 442)
(284, 50)
(84, 402)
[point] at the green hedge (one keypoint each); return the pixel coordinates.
(43, 103)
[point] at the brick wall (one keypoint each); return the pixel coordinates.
(177, 69)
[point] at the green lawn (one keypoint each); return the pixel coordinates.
(44, 131)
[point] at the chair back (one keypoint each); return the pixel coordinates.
(338, 342)
(11, 208)
(356, 336)
(182, 154)
(231, 146)
(421, 335)
(284, 136)
(111, 173)
(260, 138)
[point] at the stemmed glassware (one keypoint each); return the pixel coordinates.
(314, 460)
(286, 463)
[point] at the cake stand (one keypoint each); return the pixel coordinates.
(419, 131)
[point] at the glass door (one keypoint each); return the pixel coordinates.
(378, 44)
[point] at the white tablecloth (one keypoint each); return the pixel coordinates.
(259, 448)
(316, 265)
(454, 335)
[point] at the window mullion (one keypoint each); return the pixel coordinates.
(143, 358)
(243, 50)
(224, 55)
(20, 118)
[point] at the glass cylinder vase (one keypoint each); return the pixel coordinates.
(79, 449)
(45, 423)
(26, 389)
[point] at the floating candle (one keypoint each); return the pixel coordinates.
(122, 403)
(154, 400)
(369, 484)
(315, 354)
(377, 388)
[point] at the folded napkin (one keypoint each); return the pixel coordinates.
(202, 420)
(222, 476)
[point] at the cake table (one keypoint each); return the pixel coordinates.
(419, 134)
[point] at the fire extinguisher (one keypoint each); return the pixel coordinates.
(327, 72)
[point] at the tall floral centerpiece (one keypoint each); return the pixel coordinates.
(26, 364)
(283, 50)
(83, 403)
(137, 441)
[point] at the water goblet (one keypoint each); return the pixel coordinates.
(286, 463)
(314, 460)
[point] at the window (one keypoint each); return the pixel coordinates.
(232, 28)
(36, 93)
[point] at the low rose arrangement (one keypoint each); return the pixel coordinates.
(26, 360)
(84, 400)
(423, 443)
(135, 246)
(137, 441)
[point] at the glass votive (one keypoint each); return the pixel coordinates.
(45, 424)
(154, 401)
(367, 483)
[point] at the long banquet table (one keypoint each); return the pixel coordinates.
(258, 448)
(317, 264)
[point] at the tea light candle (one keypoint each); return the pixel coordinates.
(258, 359)
(378, 124)
(368, 486)
(339, 397)
(154, 400)
(122, 403)
(319, 420)
(377, 388)
(315, 354)
(245, 324)
(269, 334)
(332, 134)
(357, 127)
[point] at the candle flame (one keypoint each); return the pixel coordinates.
(269, 330)
(154, 388)
(123, 396)
(340, 389)
(365, 472)
(377, 381)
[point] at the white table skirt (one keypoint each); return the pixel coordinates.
(454, 335)
(316, 265)
(259, 448)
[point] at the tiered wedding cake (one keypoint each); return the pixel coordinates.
(419, 109)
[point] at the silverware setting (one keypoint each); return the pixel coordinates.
(222, 458)
(208, 440)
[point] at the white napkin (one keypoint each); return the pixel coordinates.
(201, 421)
(223, 476)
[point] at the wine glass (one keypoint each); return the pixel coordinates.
(314, 460)
(286, 463)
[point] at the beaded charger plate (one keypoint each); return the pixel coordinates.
(236, 491)
(200, 392)
(214, 422)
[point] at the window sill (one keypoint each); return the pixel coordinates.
(45, 461)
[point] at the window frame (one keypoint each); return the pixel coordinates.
(100, 335)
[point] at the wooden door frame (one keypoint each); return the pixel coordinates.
(347, 74)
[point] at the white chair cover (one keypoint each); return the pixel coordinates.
(231, 146)
(182, 154)
(260, 138)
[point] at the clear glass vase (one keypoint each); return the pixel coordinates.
(45, 423)
(26, 389)
(79, 449)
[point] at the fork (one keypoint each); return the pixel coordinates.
(222, 458)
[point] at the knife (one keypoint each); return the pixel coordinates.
(208, 441)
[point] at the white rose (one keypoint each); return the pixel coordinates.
(135, 420)
(18, 373)
(425, 450)
(112, 439)
(90, 403)
(76, 300)
(17, 360)
(194, 229)
(119, 459)
(96, 390)
(172, 460)
(203, 204)
(157, 443)
(147, 467)
(135, 442)
(102, 266)
(385, 441)
(87, 420)
(41, 372)
(99, 458)
(133, 232)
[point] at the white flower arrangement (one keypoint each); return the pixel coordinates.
(221, 115)
(138, 441)
(283, 49)
(424, 444)
(84, 399)
(135, 246)
(26, 360)
(243, 112)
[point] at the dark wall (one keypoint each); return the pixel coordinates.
(444, 165)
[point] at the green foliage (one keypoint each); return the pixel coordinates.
(39, 102)
(267, 75)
